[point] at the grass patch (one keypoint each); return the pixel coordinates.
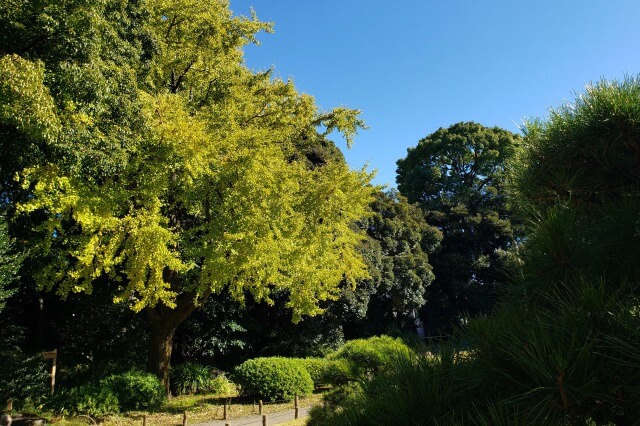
(199, 408)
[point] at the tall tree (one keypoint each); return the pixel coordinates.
(458, 175)
(171, 168)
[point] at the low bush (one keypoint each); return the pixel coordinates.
(92, 399)
(191, 378)
(368, 356)
(136, 390)
(23, 378)
(327, 372)
(274, 378)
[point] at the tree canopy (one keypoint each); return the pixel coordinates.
(458, 176)
(153, 156)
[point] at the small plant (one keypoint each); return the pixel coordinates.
(136, 390)
(273, 378)
(190, 378)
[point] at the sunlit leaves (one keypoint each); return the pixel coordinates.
(173, 168)
(26, 102)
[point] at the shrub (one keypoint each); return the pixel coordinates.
(92, 399)
(23, 378)
(136, 390)
(327, 372)
(368, 356)
(274, 378)
(191, 378)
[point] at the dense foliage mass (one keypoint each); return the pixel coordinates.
(458, 176)
(273, 379)
(562, 348)
(148, 157)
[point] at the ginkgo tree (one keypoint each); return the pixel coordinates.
(159, 160)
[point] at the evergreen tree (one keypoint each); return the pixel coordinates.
(458, 176)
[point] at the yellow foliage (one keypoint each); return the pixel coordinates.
(210, 197)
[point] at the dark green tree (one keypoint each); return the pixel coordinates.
(578, 184)
(458, 176)
(405, 241)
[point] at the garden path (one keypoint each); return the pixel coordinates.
(256, 419)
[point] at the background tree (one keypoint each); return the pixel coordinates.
(405, 242)
(166, 168)
(457, 176)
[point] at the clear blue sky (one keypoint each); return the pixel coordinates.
(413, 66)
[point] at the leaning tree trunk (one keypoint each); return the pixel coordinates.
(163, 322)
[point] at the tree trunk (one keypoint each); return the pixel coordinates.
(160, 347)
(163, 322)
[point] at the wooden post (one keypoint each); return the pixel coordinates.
(52, 355)
(296, 407)
(260, 406)
(9, 405)
(144, 420)
(264, 420)
(184, 418)
(225, 415)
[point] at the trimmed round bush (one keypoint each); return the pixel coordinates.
(136, 390)
(190, 378)
(273, 378)
(368, 356)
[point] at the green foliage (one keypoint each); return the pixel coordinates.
(458, 176)
(135, 390)
(9, 264)
(403, 271)
(368, 356)
(325, 371)
(24, 378)
(147, 157)
(190, 378)
(562, 348)
(274, 378)
(578, 184)
(92, 399)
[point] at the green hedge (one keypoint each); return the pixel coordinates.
(274, 378)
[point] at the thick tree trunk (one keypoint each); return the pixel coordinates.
(160, 347)
(163, 322)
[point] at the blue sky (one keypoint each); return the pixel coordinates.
(413, 66)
